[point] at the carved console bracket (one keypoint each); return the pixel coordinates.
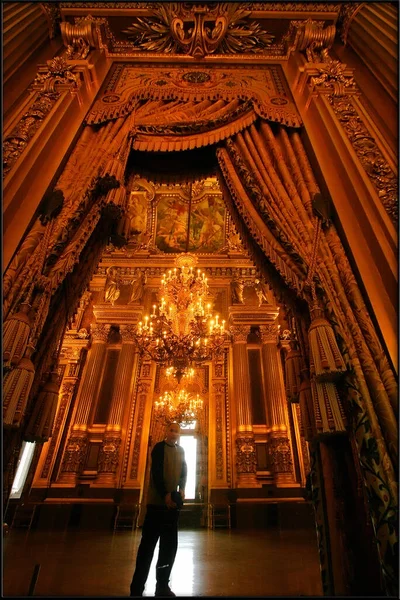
(79, 38)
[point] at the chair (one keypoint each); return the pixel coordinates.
(126, 516)
(219, 515)
(23, 516)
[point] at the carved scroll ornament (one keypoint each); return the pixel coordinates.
(198, 29)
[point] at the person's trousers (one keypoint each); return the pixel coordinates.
(159, 523)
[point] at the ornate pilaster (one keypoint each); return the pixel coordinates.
(44, 471)
(359, 168)
(278, 443)
(246, 460)
(110, 449)
(217, 451)
(87, 394)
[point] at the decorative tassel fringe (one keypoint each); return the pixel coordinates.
(306, 411)
(115, 203)
(16, 330)
(41, 422)
(292, 370)
(326, 362)
(16, 388)
(328, 411)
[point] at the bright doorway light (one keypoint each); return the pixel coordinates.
(25, 459)
(189, 444)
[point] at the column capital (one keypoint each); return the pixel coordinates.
(100, 332)
(239, 333)
(269, 333)
(127, 333)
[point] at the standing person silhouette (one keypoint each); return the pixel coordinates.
(168, 473)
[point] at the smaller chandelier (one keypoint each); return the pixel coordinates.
(179, 407)
(182, 332)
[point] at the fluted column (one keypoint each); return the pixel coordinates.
(278, 445)
(76, 446)
(110, 450)
(246, 460)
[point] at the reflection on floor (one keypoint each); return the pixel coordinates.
(225, 562)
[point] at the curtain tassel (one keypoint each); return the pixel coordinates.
(329, 415)
(326, 362)
(16, 388)
(41, 422)
(16, 330)
(115, 203)
(306, 410)
(292, 371)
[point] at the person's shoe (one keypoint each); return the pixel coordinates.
(164, 590)
(136, 593)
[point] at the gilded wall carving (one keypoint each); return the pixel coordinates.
(199, 30)
(142, 392)
(109, 454)
(376, 166)
(246, 459)
(75, 454)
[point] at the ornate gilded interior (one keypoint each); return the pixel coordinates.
(258, 137)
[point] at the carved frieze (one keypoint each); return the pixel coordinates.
(246, 459)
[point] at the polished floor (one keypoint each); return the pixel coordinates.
(221, 562)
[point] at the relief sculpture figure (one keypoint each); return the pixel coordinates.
(237, 288)
(112, 291)
(138, 287)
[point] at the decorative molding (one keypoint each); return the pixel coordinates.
(332, 78)
(17, 141)
(142, 391)
(53, 16)
(384, 180)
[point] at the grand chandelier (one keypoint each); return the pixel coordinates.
(181, 407)
(182, 332)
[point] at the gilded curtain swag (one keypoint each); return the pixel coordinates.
(265, 88)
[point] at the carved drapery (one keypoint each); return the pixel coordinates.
(371, 386)
(265, 89)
